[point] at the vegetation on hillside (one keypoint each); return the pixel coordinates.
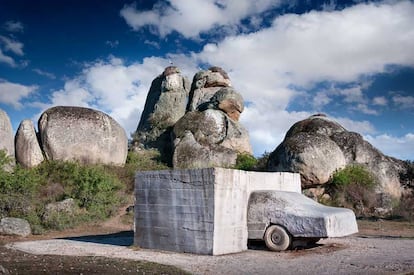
(354, 187)
(97, 190)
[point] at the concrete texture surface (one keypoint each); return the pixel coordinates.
(202, 211)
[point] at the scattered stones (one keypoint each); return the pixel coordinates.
(28, 152)
(82, 134)
(15, 226)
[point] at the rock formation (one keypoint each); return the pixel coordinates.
(205, 85)
(28, 152)
(316, 147)
(15, 226)
(6, 134)
(82, 134)
(165, 105)
(211, 135)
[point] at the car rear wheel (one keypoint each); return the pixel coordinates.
(276, 238)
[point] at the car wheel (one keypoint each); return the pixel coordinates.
(276, 238)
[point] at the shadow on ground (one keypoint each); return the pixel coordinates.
(260, 245)
(123, 238)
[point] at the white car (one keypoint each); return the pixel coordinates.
(286, 219)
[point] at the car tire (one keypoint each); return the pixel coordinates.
(277, 238)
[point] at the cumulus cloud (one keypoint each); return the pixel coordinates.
(13, 26)
(11, 45)
(7, 59)
(380, 101)
(190, 18)
(13, 93)
(404, 102)
(399, 147)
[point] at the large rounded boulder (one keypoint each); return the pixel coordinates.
(317, 147)
(28, 151)
(6, 134)
(82, 134)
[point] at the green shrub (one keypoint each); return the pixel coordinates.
(92, 186)
(353, 174)
(354, 187)
(25, 192)
(246, 162)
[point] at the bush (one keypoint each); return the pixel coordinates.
(25, 192)
(246, 162)
(92, 186)
(405, 208)
(137, 161)
(407, 177)
(354, 187)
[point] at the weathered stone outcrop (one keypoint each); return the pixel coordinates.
(54, 209)
(6, 134)
(165, 105)
(28, 151)
(82, 134)
(209, 136)
(316, 147)
(15, 226)
(205, 85)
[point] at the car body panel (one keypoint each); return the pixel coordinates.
(301, 216)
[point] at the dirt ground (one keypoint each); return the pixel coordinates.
(381, 247)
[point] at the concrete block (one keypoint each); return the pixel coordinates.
(202, 211)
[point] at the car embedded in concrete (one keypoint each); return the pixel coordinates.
(288, 219)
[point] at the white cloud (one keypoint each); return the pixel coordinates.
(320, 46)
(44, 73)
(190, 18)
(362, 127)
(405, 102)
(398, 147)
(7, 59)
(13, 26)
(13, 93)
(268, 126)
(11, 45)
(363, 108)
(320, 100)
(380, 101)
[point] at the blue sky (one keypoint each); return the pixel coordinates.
(353, 60)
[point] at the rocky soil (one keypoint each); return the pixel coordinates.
(381, 247)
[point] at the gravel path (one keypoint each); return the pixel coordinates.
(353, 255)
